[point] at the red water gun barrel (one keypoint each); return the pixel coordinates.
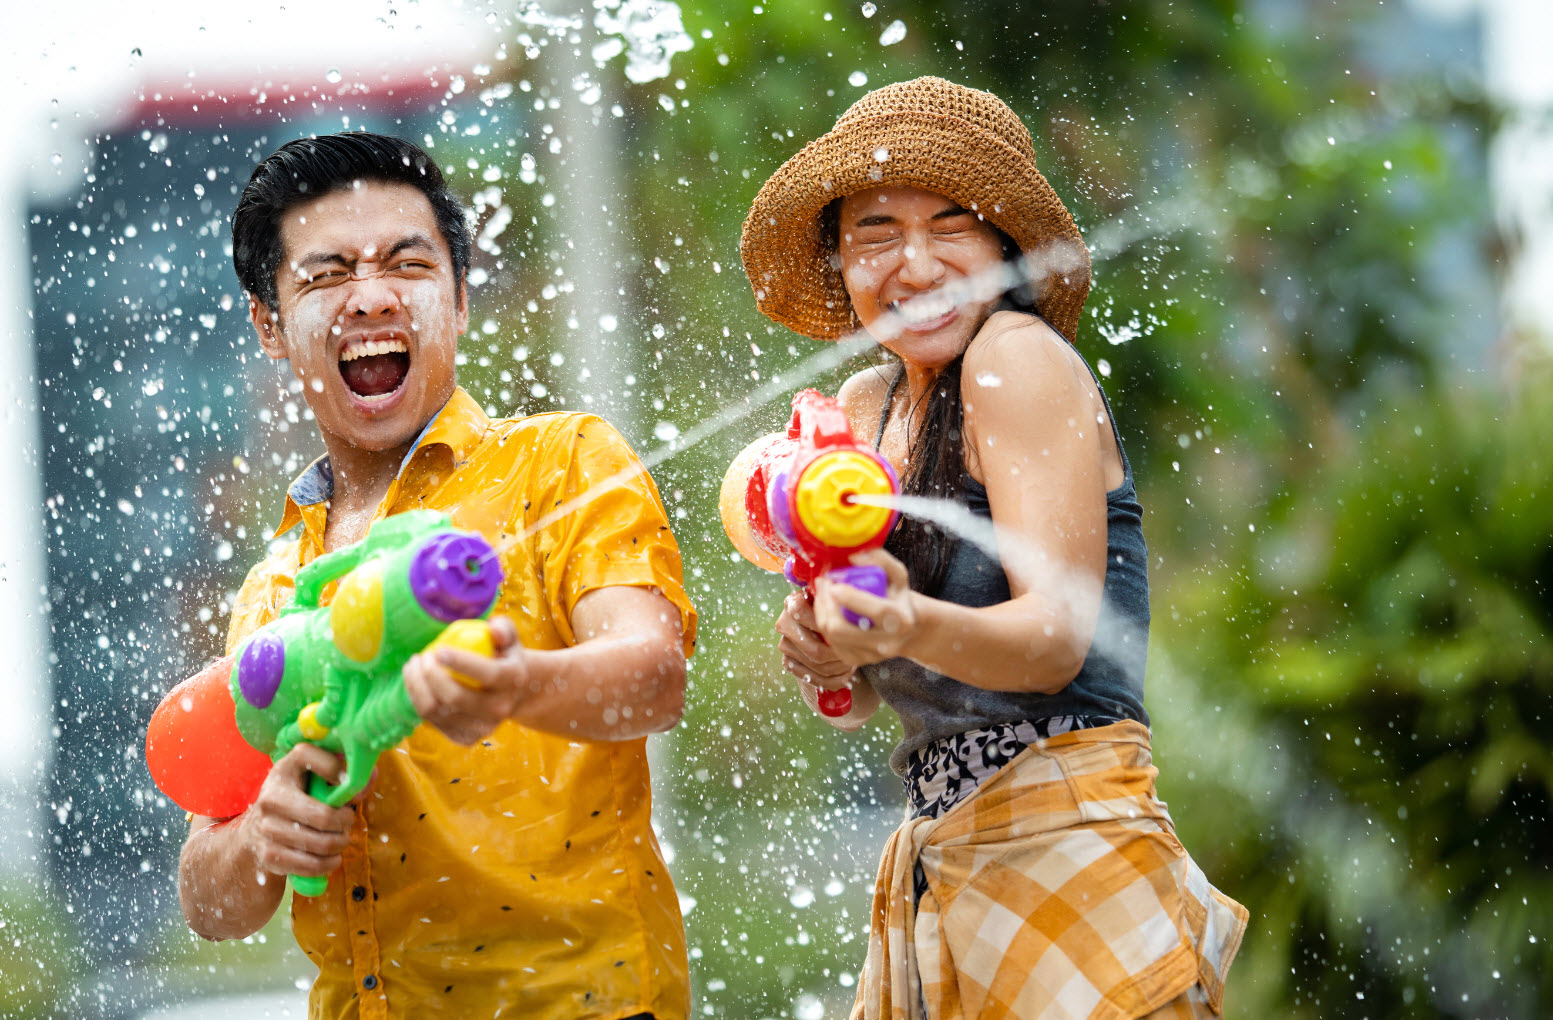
(788, 503)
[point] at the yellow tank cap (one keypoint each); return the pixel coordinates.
(823, 503)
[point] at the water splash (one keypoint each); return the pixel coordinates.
(651, 32)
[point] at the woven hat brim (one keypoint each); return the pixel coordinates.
(784, 256)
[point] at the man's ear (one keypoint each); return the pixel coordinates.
(463, 308)
(267, 325)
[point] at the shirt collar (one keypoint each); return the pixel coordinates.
(459, 426)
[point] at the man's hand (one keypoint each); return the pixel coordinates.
(466, 714)
(290, 833)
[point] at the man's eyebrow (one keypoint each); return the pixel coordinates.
(413, 241)
(321, 259)
(954, 210)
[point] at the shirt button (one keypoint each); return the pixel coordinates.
(358, 894)
(369, 982)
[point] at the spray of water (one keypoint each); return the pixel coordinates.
(1064, 588)
(1054, 259)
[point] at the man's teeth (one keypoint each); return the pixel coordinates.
(371, 348)
(924, 309)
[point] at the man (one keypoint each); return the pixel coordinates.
(502, 863)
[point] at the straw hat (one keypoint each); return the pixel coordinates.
(928, 133)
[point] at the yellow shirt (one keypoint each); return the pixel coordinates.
(520, 877)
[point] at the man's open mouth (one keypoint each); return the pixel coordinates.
(375, 368)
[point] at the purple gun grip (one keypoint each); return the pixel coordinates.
(873, 580)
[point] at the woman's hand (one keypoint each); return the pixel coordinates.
(804, 652)
(891, 622)
(465, 714)
(806, 656)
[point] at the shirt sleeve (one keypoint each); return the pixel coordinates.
(265, 590)
(600, 522)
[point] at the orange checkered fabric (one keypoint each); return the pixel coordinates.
(1058, 891)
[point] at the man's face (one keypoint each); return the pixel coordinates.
(368, 316)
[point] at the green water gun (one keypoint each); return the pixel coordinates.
(331, 675)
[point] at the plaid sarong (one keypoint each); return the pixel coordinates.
(1058, 891)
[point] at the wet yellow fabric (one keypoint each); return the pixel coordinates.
(520, 877)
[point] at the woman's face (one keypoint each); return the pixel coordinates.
(926, 267)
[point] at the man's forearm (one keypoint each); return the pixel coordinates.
(607, 688)
(224, 892)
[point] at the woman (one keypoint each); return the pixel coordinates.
(1037, 875)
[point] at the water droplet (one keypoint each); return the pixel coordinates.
(333, 76)
(857, 79)
(666, 431)
(608, 322)
(808, 1007)
(893, 33)
(801, 896)
(881, 154)
(868, 10)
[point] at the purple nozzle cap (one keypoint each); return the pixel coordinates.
(260, 669)
(455, 577)
(873, 580)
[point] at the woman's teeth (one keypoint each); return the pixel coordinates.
(923, 309)
(371, 348)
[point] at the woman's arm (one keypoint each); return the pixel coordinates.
(1036, 430)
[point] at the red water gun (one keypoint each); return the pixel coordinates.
(788, 504)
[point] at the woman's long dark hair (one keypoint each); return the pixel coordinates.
(935, 453)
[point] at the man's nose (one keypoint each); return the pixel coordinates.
(372, 295)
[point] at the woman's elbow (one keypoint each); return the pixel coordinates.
(1054, 665)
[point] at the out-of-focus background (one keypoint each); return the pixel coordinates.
(1323, 239)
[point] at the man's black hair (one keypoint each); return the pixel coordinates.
(309, 168)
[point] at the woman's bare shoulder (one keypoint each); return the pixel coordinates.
(862, 396)
(1020, 352)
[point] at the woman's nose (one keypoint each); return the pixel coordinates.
(920, 267)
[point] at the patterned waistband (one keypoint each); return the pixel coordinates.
(947, 771)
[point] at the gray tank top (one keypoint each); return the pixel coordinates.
(1108, 687)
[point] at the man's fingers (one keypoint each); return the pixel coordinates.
(305, 758)
(285, 861)
(482, 670)
(294, 836)
(504, 633)
(290, 806)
